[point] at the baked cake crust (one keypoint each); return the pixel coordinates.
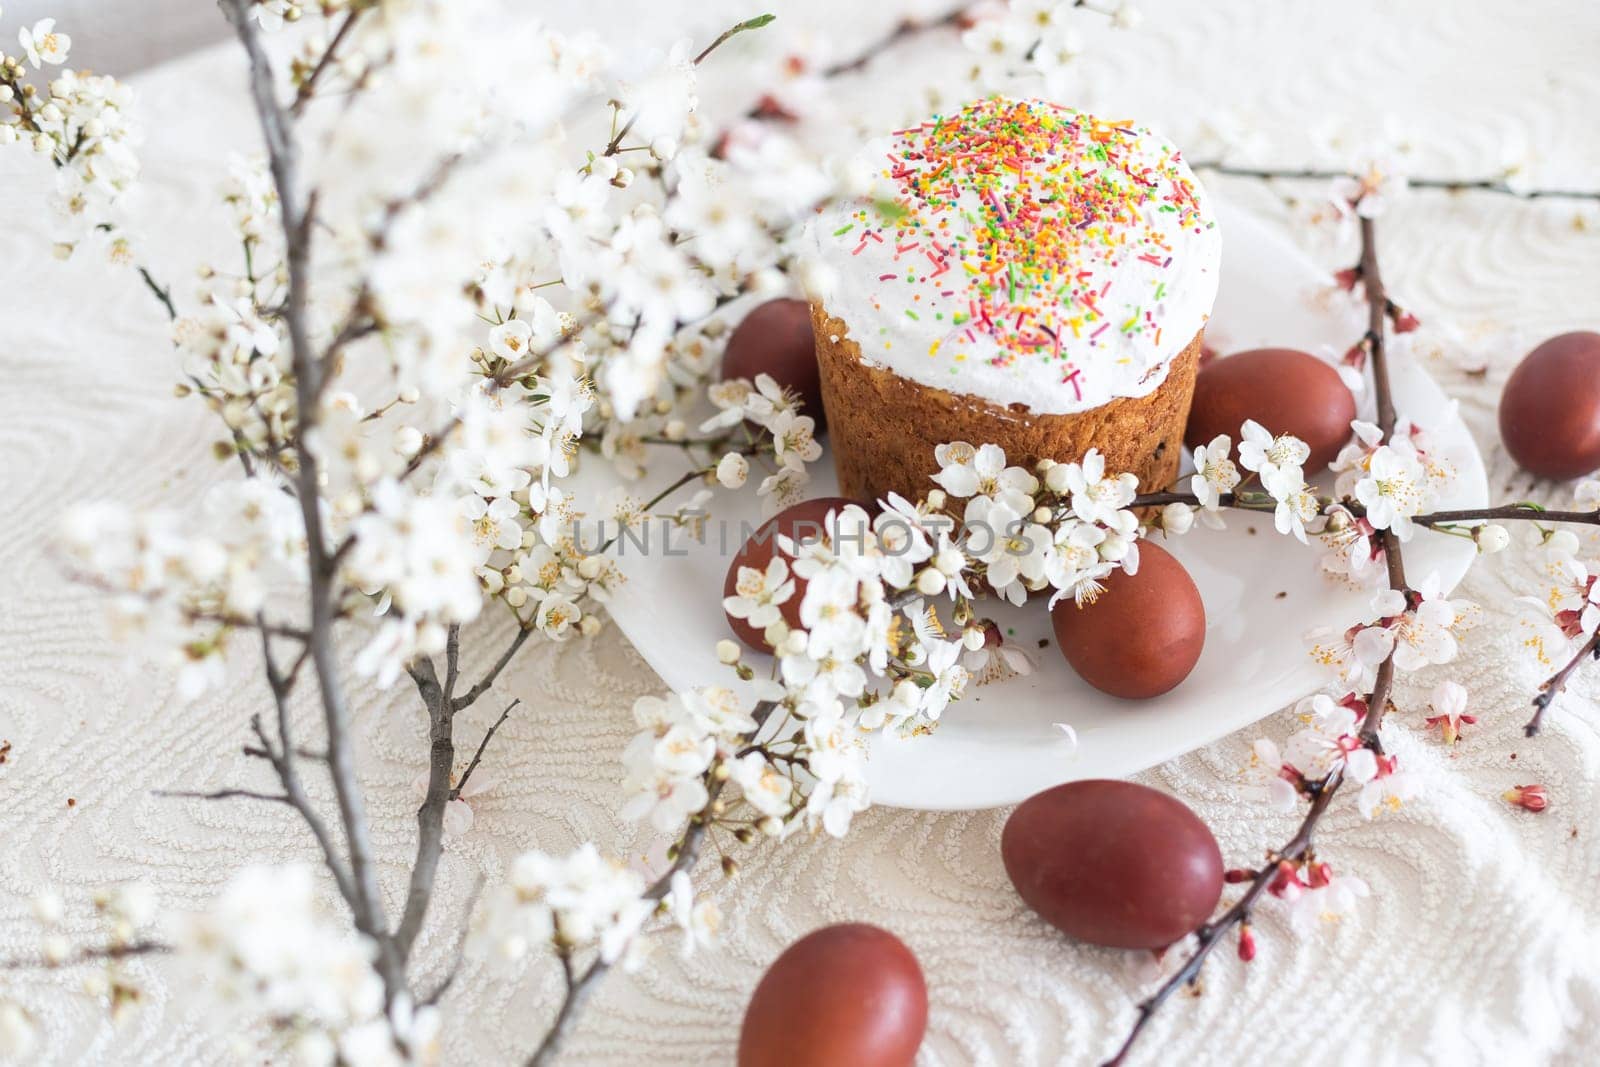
(883, 428)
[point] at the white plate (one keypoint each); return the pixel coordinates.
(1262, 592)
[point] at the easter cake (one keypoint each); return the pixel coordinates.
(1021, 274)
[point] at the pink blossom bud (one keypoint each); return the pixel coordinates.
(1347, 278)
(1531, 797)
(1405, 322)
(1235, 875)
(1247, 943)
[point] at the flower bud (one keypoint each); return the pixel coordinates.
(589, 626)
(728, 652)
(732, 470)
(936, 499)
(623, 178)
(930, 582)
(675, 430)
(794, 643)
(1529, 797)
(516, 597)
(1177, 518)
(1247, 943)
(408, 441)
(1055, 479)
(410, 395)
(1041, 514)
(1562, 542)
(772, 826)
(949, 561)
(1492, 538)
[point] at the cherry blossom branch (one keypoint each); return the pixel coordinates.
(1453, 185)
(488, 735)
(685, 853)
(471, 695)
(164, 295)
(1322, 791)
(308, 88)
(439, 700)
(1558, 683)
(1210, 934)
(87, 955)
(1526, 510)
(615, 144)
(904, 30)
(296, 214)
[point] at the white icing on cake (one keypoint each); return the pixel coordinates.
(1023, 253)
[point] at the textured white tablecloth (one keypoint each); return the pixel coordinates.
(1479, 943)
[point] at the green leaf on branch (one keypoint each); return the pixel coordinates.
(737, 28)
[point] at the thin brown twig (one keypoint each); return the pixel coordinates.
(308, 88)
(296, 215)
(1210, 934)
(483, 745)
(468, 698)
(1525, 511)
(1557, 683)
(87, 955)
(1453, 185)
(223, 794)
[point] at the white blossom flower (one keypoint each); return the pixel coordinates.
(1354, 655)
(1424, 634)
(758, 594)
(493, 524)
(1297, 504)
(966, 471)
(794, 442)
(556, 617)
(949, 678)
(767, 789)
(583, 899)
(832, 805)
(781, 490)
(1393, 490)
(1266, 455)
(1097, 498)
(1370, 191)
(42, 44)
(1215, 473)
(700, 920)
(1265, 776)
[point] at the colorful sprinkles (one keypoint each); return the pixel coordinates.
(1014, 215)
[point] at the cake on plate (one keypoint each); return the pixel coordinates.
(1022, 274)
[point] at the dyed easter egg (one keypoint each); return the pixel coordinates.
(850, 994)
(1550, 411)
(1113, 863)
(775, 338)
(801, 522)
(1285, 390)
(1142, 636)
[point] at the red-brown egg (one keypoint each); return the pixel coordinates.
(850, 994)
(1285, 390)
(802, 522)
(775, 338)
(1142, 636)
(1113, 863)
(1550, 412)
